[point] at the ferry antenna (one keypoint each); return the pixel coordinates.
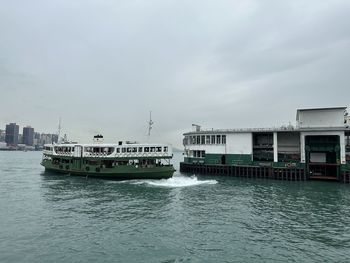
(59, 130)
(150, 123)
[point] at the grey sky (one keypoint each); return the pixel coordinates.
(103, 64)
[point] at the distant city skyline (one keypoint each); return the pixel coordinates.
(11, 138)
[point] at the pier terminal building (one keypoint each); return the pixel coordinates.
(318, 147)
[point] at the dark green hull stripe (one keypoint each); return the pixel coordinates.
(118, 176)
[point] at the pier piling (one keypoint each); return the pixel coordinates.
(244, 171)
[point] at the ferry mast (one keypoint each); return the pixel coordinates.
(150, 123)
(59, 130)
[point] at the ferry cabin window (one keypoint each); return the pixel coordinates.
(140, 149)
(193, 139)
(203, 139)
(128, 149)
(146, 149)
(153, 149)
(108, 150)
(223, 139)
(134, 149)
(198, 154)
(159, 149)
(218, 139)
(198, 140)
(124, 150)
(118, 150)
(96, 149)
(213, 139)
(207, 139)
(165, 149)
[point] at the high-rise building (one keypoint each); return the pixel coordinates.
(28, 136)
(37, 135)
(2, 135)
(47, 138)
(54, 138)
(11, 137)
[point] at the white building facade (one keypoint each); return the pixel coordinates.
(320, 142)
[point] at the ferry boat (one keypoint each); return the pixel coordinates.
(125, 160)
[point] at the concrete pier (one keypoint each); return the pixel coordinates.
(287, 174)
(248, 171)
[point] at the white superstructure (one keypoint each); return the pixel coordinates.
(321, 118)
(98, 150)
(273, 144)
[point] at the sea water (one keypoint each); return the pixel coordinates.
(188, 218)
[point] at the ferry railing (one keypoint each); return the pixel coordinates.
(271, 129)
(92, 154)
(64, 153)
(138, 155)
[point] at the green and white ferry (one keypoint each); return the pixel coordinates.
(121, 161)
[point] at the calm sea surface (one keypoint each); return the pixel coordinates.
(55, 218)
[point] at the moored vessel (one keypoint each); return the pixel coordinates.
(121, 161)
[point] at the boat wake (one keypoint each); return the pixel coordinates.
(177, 181)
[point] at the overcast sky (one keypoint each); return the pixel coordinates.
(102, 65)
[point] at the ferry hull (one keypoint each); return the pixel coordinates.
(113, 161)
(120, 173)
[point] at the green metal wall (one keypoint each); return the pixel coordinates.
(217, 159)
(241, 159)
(229, 158)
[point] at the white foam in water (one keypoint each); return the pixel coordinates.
(179, 181)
